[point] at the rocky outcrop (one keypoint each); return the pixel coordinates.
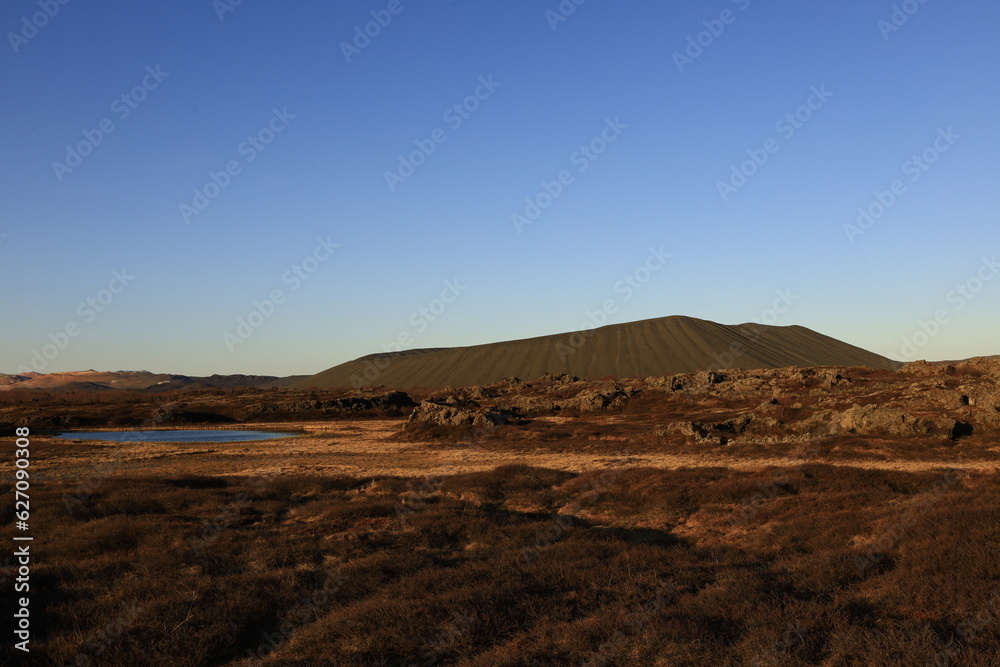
(559, 379)
(878, 420)
(829, 377)
(441, 414)
(718, 432)
(548, 394)
(920, 369)
(695, 381)
(392, 402)
(985, 395)
(602, 398)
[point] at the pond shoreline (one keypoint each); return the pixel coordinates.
(177, 435)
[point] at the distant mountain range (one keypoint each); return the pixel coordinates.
(137, 381)
(662, 346)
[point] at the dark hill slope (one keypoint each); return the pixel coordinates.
(662, 346)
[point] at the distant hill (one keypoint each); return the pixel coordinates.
(663, 346)
(137, 381)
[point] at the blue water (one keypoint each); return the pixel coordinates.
(175, 436)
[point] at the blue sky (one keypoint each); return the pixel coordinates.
(338, 118)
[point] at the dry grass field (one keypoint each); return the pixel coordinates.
(834, 516)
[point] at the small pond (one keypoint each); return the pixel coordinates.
(179, 435)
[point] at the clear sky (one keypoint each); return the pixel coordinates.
(115, 113)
